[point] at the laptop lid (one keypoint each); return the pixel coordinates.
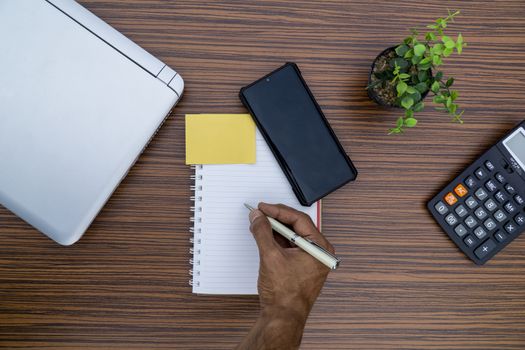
(75, 112)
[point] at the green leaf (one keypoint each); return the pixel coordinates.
(411, 90)
(410, 122)
(422, 75)
(452, 109)
(459, 48)
(409, 54)
(439, 76)
(430, 36)
(419, 49)
(416, 96)
(419, 107)
(401, 87)
(402, 63)
(436, 60)
(402, 49)
(409, 113)
(399, 122)
(421, 87)
(404, 76)
(425, 60)
(424, 66)
(416, 59)
(454, 94)
(460, 39)
(396, 69)
(395, 131)
(445, 39)
(449, 82)
(438, 49)
(448, 103)
(438, 99)
(407, 102)
(448, 51)
(450, 44)
(435, 87)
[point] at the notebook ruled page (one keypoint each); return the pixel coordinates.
(226, 259)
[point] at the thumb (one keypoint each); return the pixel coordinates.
(262, 231)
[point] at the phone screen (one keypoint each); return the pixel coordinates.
(293, 123)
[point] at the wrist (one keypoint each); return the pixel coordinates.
(292, 313)
(283, 326)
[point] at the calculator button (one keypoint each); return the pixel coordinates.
(441, 208)
(460, 190)
(510, 227)
(520, 219)
(469, 241)
(501, 197)
(489, 165)
(491, 186)
(451, 199)
(485, 249)
(461, 211)
(519, 199)
(490, 224)
(460, 230)
(500, 236)
(510, 189)
(510, 208)
(500, 216)
(471, 202)
(480, 233)
(470, 221)
(481, 213)
(491, 205)
(470, 182)
(451, 219)
(500, 178)
(480, 174)
(481, 194)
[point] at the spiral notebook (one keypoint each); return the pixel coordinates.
(225, 256)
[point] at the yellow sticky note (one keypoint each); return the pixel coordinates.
(220, 139)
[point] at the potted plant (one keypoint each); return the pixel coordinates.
(403, 75)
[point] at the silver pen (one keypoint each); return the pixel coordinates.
(305, 244)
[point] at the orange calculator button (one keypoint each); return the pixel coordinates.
(460, 190)
(450, 198)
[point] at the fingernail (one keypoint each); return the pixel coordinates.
(255, 214)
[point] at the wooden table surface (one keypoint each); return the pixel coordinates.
(402, 284)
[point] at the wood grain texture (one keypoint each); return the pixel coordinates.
(402, 284)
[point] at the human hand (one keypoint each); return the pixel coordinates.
(290, 279)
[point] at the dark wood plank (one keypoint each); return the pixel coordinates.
(402, 283)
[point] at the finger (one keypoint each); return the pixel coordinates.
(299, 221)
(279, 239)
(262, 231)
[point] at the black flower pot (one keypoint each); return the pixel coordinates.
(379, 97)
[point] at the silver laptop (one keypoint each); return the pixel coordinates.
(78, 104)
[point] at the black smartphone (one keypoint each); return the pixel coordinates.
(298, 134)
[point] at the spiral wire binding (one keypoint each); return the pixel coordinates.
(196, 230)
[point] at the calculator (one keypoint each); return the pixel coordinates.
(483, 209)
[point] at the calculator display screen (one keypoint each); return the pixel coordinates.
(516, 146)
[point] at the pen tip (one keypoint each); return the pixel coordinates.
(249, 206)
